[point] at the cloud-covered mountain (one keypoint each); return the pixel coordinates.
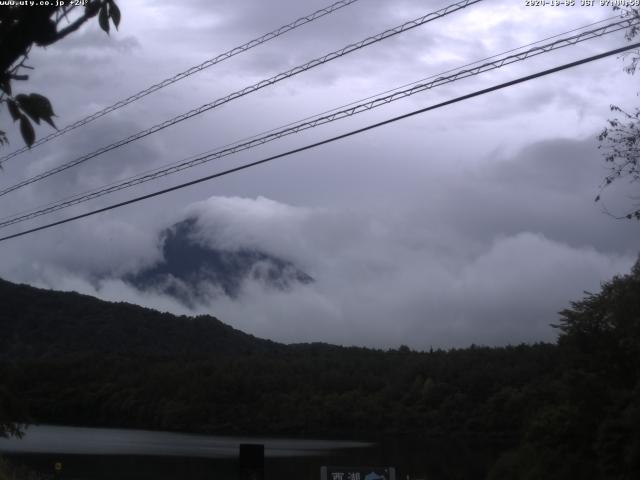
(193, 270)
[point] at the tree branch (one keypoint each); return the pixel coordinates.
(75, 25)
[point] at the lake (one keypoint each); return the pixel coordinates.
(101, 453)
(108, 454)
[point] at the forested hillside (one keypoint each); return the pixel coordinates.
(36, 323)
(567, 410)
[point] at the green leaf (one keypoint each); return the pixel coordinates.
(14, 110)
(49, 120)
(42, 106)
(114, 13)
(103, 18)
(26, 129)
(92, 8)
(5, 85)
(25, 104)
(37, 106)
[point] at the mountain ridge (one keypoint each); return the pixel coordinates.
(40, 323)
(193, 272)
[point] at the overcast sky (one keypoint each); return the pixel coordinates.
(473, 223)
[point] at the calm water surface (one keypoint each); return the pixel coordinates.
(115, 454)
(107, 441)
(97, 454)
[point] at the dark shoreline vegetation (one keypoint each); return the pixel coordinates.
(564, 410)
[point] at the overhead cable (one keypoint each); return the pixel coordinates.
(195, 69)
(316, 121)
(328, 140)
(247, 90)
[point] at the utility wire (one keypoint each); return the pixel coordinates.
(328, 140)
(410, 83)
(245, 91)
(63, 200)
(323, 119)
(195, 69)
(399, 87)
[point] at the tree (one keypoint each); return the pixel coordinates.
(603, 329)
(620, 140)
(22, 27)
(601, 335)
(11, 410)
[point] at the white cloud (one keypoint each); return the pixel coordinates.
(418, 233)
(373, 286)
(388, 292)
(88, 250)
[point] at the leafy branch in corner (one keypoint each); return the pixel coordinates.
(620, 140)
(621, 143)
(22, 27)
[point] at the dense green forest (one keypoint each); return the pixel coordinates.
(566, 410)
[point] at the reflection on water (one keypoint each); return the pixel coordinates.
(106, 441)
(101, 454)
(112, 454)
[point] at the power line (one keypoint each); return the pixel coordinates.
(253, 141)
(245, 91)
(427, 78)
(317, 121)
(195, 69)
(328, 140)
(345, 105)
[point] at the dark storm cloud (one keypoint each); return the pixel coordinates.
(549, 187)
